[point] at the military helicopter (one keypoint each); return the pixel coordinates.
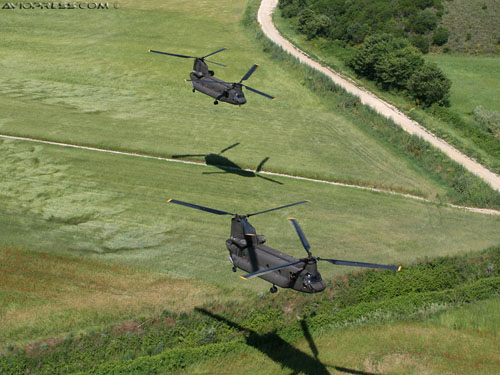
(248, 252)
(204, 81)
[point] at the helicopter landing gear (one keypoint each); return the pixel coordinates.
(234, 268)
(273, 289)
(216, 102)
(194, 90)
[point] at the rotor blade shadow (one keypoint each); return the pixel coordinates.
(277, 349)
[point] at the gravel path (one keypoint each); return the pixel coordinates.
(265, 19)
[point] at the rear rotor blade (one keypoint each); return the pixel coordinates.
(172, 54)
(301, 234)
(214, 62)
(361, 264)
(278, 208)
(213, 53)
(259, 92)
(229, 147)
(206, 209)
(261, 165)
(249, 73)
(268, 270)
(247, 228)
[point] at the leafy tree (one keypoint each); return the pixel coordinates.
(356, 33)
(376, 47)
(429, 85)
(395, 68)
(440, 36)
(421, 43)
(313, 24)
(424, 22)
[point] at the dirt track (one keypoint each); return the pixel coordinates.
(265, 19)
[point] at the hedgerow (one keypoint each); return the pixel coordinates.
(173, 341)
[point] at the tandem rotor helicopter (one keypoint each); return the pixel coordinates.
(248, 252)
(203, 80)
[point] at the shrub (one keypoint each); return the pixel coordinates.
(440, 36)
(424, 22)
(312, 24)
(429, 85)
(376, 47)
(421, 43)
(397, 66)
(490, 119)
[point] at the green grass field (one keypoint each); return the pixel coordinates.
(87, 239)
(103, 89)
(475, 81)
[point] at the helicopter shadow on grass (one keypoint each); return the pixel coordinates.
(280, 351)
(228, 166)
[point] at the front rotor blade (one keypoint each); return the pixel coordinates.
(206, 209)
(250, 72)
(172, 54)
(361, 264)
(301, 234)
(260, 92)
(278, 208)
(247, 228)
(213, 53)
(268, 270)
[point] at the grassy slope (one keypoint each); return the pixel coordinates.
(465, 92)
(475, 81)
(48, 295)
(105, 90)
(427, 347)
(114, 208)
(477, 18)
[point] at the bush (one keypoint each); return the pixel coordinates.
(429, 85)
(376, 47)
(440, 36)
(397, 66)
(489, 119)
(421, 43)
(424, 22)
(312, 24)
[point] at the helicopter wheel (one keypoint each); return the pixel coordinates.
(194, 90)
(234, 268)
(273, 289)
(216, 102)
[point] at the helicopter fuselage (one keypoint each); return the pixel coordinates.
(217, 89)
(250, 254)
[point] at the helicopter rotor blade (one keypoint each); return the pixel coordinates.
(213, 53)
(249, 73)
(229, 147)
(261, 165)
(247, 228)
(269, 179)
(202, 208)
(268, 270)
(278, 208)
(259, 92)
(214, 62)
(301, 234)
(361, 264)
(172, 54)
